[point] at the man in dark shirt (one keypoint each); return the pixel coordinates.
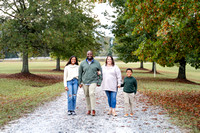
(90, 79)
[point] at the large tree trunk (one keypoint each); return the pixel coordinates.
(153, 66)
(25, 68)
(181, 72)
(58, 64)
(141, 64)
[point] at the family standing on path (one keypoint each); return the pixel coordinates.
(89, 75)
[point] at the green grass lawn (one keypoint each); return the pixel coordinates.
(181, 100)
(21, 96)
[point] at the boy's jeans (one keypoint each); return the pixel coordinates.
(111, 98)
(71, 93)
(129, 99)
(89, 91)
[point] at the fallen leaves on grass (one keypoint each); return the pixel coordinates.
(184, 104)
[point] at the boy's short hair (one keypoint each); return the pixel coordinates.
(129, 69)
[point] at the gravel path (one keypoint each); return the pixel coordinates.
(52, 118)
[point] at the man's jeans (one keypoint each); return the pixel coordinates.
(89, 91)
(71, 93)
(111, 98)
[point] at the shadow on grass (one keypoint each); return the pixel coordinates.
(47, 70)
(185, 81)
(44, 78)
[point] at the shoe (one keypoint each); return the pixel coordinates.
(126, 115)
(114, 114)
(93, 112)
(69, 113)
(131, 114)
(73, 113)
(89, 112)
(109, 112)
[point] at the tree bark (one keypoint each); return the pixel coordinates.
(25, 68)
(141, 64)
(153, 66)
(58, 64)
(181, 72)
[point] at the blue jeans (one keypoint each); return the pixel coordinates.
(71, 93)
(111, 98)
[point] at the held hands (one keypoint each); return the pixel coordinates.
(80, 85)
(119, 86)
(98, 73)
(66, 88)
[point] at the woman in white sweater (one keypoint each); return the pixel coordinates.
(111, 82)
(71, 83)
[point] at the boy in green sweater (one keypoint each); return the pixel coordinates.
(130, 89)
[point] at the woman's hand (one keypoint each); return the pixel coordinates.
(66, 88)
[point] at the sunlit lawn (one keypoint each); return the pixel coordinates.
(182, 100)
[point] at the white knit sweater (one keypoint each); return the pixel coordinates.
(111, 78)
(70, 72)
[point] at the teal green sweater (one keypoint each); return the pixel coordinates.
(130, 85)
(88, 73)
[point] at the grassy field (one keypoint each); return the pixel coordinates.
(180, 99)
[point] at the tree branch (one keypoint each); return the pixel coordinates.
(8, 13)
(11, 7)
(24, 4)
(21, 4)
(16, 6)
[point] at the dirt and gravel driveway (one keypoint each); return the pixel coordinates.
(52, 118)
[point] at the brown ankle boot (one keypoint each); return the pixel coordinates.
(93, 112)
(89, 112)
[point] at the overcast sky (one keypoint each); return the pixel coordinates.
(99, 10)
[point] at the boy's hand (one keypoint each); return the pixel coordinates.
(66, 88)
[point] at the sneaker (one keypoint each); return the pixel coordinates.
(73, 113)
(131, 114)
(126, 115)
(69, 113)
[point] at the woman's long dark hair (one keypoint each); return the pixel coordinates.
(69, 62)
(113, 62)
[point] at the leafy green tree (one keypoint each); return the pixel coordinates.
(126, 42)
(64, 28)
(70, 30)
(22, 27)
(175, 31)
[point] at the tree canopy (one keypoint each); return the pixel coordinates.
(65, 28)
(168, 30)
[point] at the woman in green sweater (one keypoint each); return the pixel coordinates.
(130, 89)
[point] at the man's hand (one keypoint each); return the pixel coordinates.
(98, 73)
(66, 88)
(80, 85)
(119, 86)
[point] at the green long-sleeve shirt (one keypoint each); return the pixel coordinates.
(130, 85)
(88, 72)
